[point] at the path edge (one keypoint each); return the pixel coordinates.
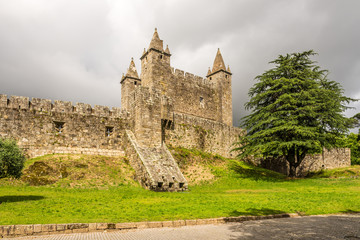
(10, 231)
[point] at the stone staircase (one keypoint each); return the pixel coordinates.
(155, 167)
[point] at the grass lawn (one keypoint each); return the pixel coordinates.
(235, 189)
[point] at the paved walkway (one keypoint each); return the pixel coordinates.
(313, 227)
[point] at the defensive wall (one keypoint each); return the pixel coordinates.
(161, 107)
(100, 130)
(43, 127)
(328, 159)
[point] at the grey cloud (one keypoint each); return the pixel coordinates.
(77, 50)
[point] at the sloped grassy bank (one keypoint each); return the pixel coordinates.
(101, 189)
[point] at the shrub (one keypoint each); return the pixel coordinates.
(12, 159)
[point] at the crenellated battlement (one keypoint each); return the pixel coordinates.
(46, 105)
(192, 78)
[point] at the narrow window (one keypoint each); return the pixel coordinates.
(109, 131)
(135, 83)
(202, 102)
(226, 75)
(59, 126)
(210, 78)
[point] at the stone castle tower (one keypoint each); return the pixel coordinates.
(209, 98)
(162, 107)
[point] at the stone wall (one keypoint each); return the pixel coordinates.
(204, 134)
(41, 126)
(329, 159)
(208, 98)
(194, 95)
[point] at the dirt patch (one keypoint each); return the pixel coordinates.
(68, 170)
(197, 166)
(197, 174)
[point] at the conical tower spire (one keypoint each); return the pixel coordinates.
(131, 72)
(218, 62)
(156, 43)
(209, 71)
(228, 69)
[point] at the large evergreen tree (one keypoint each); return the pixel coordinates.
(295, 110)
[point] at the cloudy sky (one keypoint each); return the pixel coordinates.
(77, 50)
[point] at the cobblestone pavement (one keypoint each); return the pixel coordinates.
(314, 227)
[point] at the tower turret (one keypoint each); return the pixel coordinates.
(128, 83)
(222, 79)
(155, 63)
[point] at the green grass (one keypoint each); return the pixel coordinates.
(237, 189)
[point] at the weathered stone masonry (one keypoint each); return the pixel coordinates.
(163, 106)
(35, 125)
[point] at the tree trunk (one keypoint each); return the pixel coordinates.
(292, 170)
(291, 158)
(295, 157)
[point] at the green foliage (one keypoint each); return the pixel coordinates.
(11, 159)
(352, 141)
(296, 110)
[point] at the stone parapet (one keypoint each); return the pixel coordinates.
(46, 106)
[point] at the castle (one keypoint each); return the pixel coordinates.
(161, 107)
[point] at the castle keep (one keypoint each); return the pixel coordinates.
(161, 107)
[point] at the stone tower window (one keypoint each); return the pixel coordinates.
(135, 83)
(109, 131)
(226, 75)
(161, 56)
(59, 126)
(202, 102)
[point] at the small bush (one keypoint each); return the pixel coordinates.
(12, 159)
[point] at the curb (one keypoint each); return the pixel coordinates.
(46, 229)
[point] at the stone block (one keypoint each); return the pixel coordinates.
(101, 226)
(220, 220)
(37, 228)
(111, 226)
(8, 230)
(24, 230)
(61, 227)
(190, 222)
(179, 223)
(3, 100)
(41, 105)
(201, 222)
(18, 102)
(155, 224)
(125, 225)
(48, 228)
(141, 225)
(168, 224)
(63, 106)
(77, 226)
(92, 226)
